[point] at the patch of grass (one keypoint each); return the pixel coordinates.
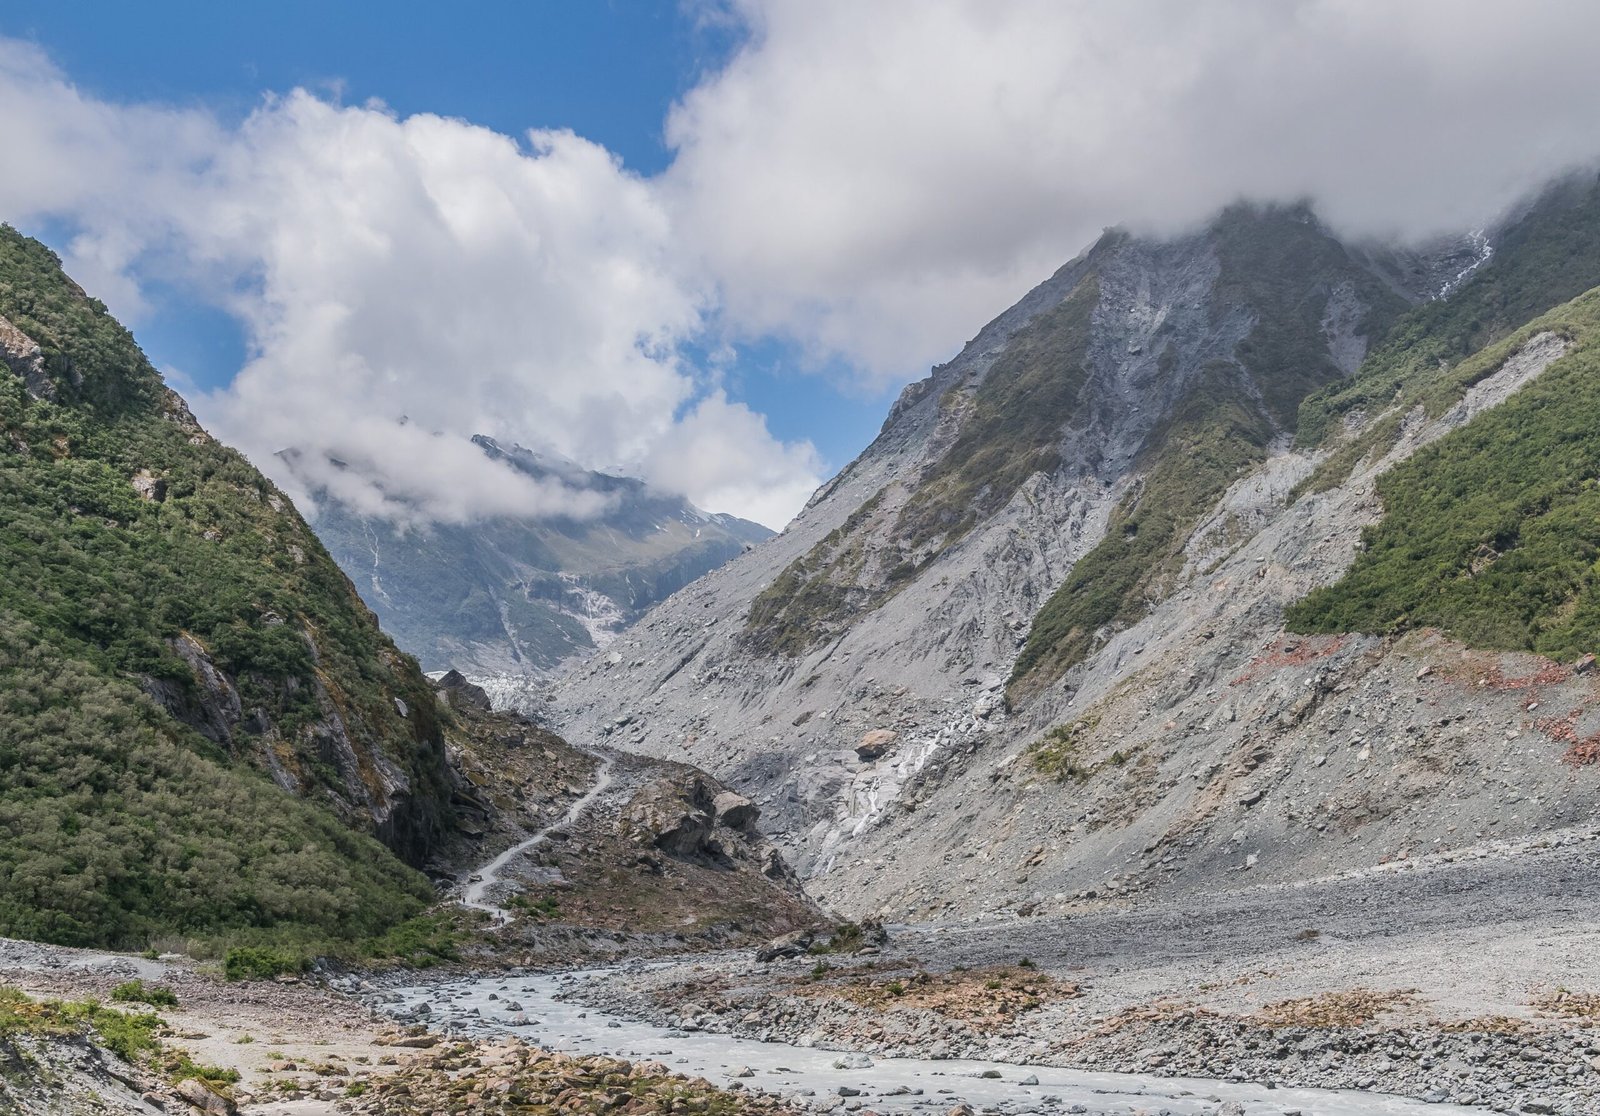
(130, 1036)
(1492, 533)
(985, 999)
(1355, 1007)
(180, 1068)
(542, 909)
(1056, 754)
(137, 991)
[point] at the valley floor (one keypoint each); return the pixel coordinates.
(1464, 981)
(1472, 981)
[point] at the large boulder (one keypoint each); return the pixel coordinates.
(460, 693)
(676, 816)
(876, 743)
(691, 816)
(734, 810)
(789, 945)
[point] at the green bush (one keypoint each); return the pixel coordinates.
(424, 941)
(137, 991)
(262, 963)
(182, 1069)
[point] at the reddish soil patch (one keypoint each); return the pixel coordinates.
(1290, 651)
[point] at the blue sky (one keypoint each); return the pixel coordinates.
(608, 70)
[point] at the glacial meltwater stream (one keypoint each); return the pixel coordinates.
(532, 1008)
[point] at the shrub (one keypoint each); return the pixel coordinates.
(261, 963)
(137, 991)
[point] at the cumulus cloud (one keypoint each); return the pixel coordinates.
(404, 284)
(869, 179)
(716, 450)
(874, 181)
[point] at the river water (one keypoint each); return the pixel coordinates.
(533, 1008)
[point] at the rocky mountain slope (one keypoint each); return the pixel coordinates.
(1029, 651)
(203, 727)
(520, 595)
(204, 735)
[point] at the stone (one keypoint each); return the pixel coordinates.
(792, 944)
(876, 743)
(149, 486)
(22, 355)
(460, 693)
(203, 1098)
(734, 810)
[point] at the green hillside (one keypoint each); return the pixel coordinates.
(1492, 533)
(202, 729)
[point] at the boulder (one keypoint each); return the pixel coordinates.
(675, 818)
(460, 693)
(788, 945)
(734, 810)
(876, 743)
(205, 1099)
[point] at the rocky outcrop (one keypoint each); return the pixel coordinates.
(688, 815)
(25, 358)
(462, 694)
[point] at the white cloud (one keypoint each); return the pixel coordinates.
(869, 178)
(717, 450)
(878, 178)
(390, 269)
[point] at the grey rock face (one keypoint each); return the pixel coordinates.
(1213, 744)
(22, 355)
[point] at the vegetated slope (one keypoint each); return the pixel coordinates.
(520, 595)
(204, 733)
(1493, 532)
(201, 727)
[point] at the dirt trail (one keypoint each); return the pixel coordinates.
(481, 880)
